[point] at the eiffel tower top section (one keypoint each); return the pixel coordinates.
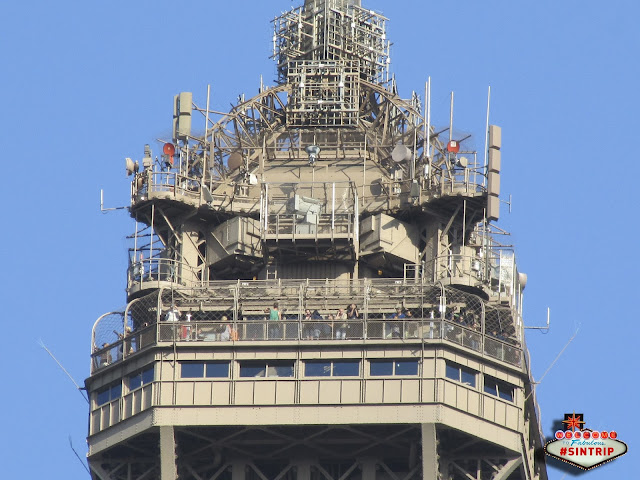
(339, 32)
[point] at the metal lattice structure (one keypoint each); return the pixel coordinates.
(317, 289)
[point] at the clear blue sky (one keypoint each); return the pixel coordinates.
(85, 84)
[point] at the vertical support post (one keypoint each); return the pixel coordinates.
(238, 470)
(168, 469)
(303, 470)
(430, 461)
(333, 206)
(153, 217)
(369, 468)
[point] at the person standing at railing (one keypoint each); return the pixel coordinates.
(341, 330)
(173, 316)
(186, 329)
(307, 326)
(354, 330)
(395, 327)
(274, 321)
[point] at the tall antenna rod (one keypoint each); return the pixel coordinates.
(105, 210)
(486, 138)
(78, 456)
(80, 389)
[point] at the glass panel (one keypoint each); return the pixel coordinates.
(468, 377)
(453, 372)
(147, 376)
(281, 370)
(116, 391)
(407, 367)
(346, 368)
(192, 370)
(505, 392)
(103, 396)
(490, 386)
(252, 370)
(218, 370)
(381, 368)
(135, 381)
(317, 369)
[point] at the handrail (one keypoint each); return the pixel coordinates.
(320, 329)
(159, 270)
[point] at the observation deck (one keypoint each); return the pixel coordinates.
(315, 288)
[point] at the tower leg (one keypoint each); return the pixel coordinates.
(238, 470)
(430, 464)
(168, 470)
(369, 469)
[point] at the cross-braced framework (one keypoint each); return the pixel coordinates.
(333, 30)
(323, 452)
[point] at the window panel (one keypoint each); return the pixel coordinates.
(406, 367)
(192, 370)
(252, 370)
(218, 370)
(135, 381)
(103, 396)
(453, 372)
(346, 368)
(497, 388)
(147, 375)
(282, 370)
(461, 374)
(116, 391)
(108, 393)
(468, 377)
(490, 387)
(317, 369)
(506, 393)
(381, 368)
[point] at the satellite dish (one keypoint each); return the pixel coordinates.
(130, 166)
(400, 153)
(453, 146)
(169, 149)
(522, 280)
(235, 160)
(312, 151)
(463, 162)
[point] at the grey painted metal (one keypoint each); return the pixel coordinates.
(168, 469)
(430, 458)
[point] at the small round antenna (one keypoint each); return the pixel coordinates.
(235, 161)
(130, 166)
(400, 153)
(313, 151)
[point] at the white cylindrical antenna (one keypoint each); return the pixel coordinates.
(206, 121)
(153, 217)
(486, 138)
(204, 150)
(451, 118)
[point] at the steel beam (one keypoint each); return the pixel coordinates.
(168, 469)
(430, 461)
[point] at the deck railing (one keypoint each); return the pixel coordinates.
(412, 331)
